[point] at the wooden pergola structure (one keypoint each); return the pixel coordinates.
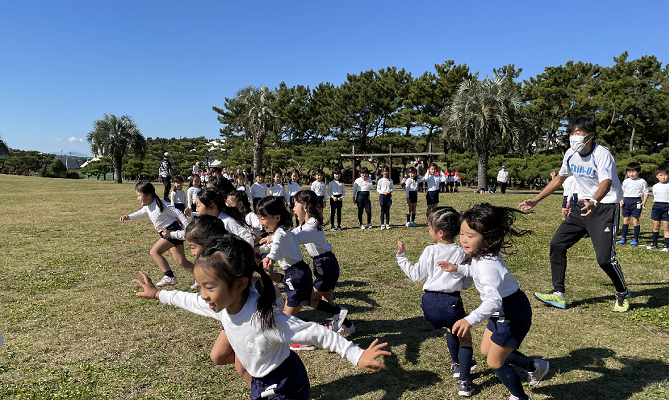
(390, 156)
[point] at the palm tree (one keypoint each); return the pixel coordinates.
(482, 112)
(257, 118)
(114, 138)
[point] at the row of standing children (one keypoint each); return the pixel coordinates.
(486, 231)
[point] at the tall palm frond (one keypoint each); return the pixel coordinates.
(114, 137)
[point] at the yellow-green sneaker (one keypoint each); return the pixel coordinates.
(621, 304)
(552, 299)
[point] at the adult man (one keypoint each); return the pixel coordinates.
(165, 175)
(596, 211)
(503, 177)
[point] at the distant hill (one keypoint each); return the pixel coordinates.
(73, 154)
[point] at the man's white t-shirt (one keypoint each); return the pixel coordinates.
(591, 169)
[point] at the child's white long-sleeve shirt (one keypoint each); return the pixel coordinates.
(276, 189)
(436, 280)
(634, 187)
(569, 186)
(258, 190)
(432, 182)
(384, 185)
(285, 249)
(158, 218)
(291, 189)
(236, 229)
(319, 188)
(362, 185)
(252, 220)
(660, 192)
(191, 194)
(336, 188)
(261, 352)
(246, 190)
(177, 197)
(314, 239)
(493, 281)
(410, 186)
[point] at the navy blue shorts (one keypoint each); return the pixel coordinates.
(512, 324)
(290, 378)
(385, 200)
(180, 206)
(298, 284)
(291, 203)
(256, 200)
(632, 207)
(442, 309)
(659, 212)
(433, 197)
(413, 196)
(326, 271)
(193, 208)
(172, 227)
(570, 204)
(363, 199)
(320, 201)
(336, 204)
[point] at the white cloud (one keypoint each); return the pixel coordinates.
(74, 139)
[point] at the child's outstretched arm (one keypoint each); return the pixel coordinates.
(149, 290)
(368, 360)
(401, 247)
(125, 218)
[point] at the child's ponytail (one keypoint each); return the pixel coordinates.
(266, 301)
(310, 200)
(148, 188)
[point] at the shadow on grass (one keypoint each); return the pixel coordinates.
(658, 297)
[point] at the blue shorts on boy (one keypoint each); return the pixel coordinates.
(442, 309)
(288, 381)
(298, 284)
(632, 207)
(510, 325)
(172, 228)
(326, 271)
(432, 197)
(659, 212)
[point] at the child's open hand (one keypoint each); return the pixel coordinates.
(188, 212)
(267, 264)
(447, 266)
(148, 289)
(265, 240)
(125, 218)
(461, 327)
(164, 232)
(368, 360)
(401, 247)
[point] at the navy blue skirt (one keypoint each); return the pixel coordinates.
(513, 322)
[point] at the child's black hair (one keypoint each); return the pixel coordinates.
(190, 181)
(204, 229)
(277, 171)
(210, 196)
(412, 170)
(385, 168)
(336, 171)
(496, 225)
(447, 220)
(221, 183)
(241, 195)
(434, 165)
(318, 171)
(178, 179)
(633, 166)
(364, 170)
(586, 123)
(311, 202)
(260, 173)
(241, 175)
(662, 169)
(231, 258)
(295, 171)
(148, 188)
(269, 206)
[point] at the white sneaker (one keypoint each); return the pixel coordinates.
(388, 226)
(369, 226)
(541, 369)
(338, 319)
(407, 224)
(195, 285)
(362, 227)
(346, 331)
(381, 228)
(664, 249)
(167, 281)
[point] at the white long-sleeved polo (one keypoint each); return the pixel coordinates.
(245, 189)
(252, 220)
(634, 187)
(660, 192)
(261, 352)
(569, 187)
(258, 190)
(177, 197)
(384, 185)
(319, 188)
(231, 226)
(362, 185)
(191, 194)
(335, 188)
(291, 189)
(276, 189)
(285, 249)
(410, 186)
(436, 280)
(314, 239)
(493, 281)
(432, 182)
(158, 218)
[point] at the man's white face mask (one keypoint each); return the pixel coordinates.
(577, 143)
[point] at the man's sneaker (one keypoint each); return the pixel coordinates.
(634, 243)
(369, 226)
(551, 298)
(339, 228)
(302, 346)
(195, 285)
(361, 227)
(465, 388)
(621, 304)
(338, 319)
(456, 368)
(622, 241)
(652, 247)
(167, 281)
(541, 369)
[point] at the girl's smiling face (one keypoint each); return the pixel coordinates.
(300, 211)
(144, 198)
(196, 181)
(412, 175)
(195, 248)
(259, 179)
(269, 222)
(364, 175)
(218, 294)
(385, 173)
(277, 179)
(337, 177)
(294, 177)
(471, 240)
(432, 170)
(205, 210)
(319, 177)
(230, 202)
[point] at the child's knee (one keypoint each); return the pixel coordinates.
(494, 363)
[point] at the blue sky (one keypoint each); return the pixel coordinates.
(64, 64)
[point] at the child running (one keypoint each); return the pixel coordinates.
(635, 194)
(193, 190)
(385, 188)
(165, 219)
(326, 268)
(487, 231)
(441, 302)
(291, 189)
(336, 192)
(432, 179)
(659, 211)
(258, 334)
(178, 196)
(412, 197)
(362, 187)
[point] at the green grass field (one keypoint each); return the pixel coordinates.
(74, 329)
